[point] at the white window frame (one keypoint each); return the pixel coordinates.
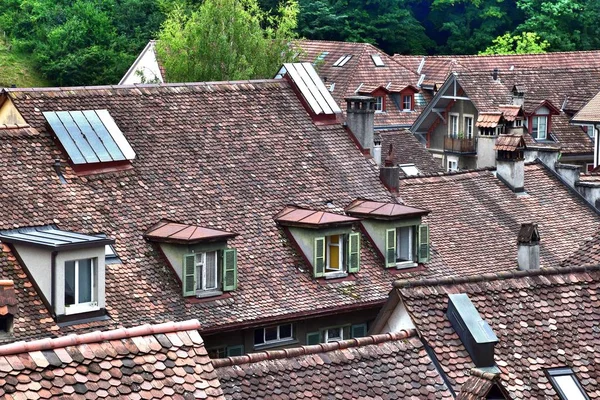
(78, 307)
(279, 338)
(536, 135)
(451, 118)
(334, 338)
(410, 259)
(404, 98)
(570, 390)
(590, 128)
(517, 123)
(469, 133)
(452, 162)
(340, 245)
(379, 104)
(201, 284)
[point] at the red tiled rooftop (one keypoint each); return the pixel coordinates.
(509, 142)
(301, 217)
(510, 112)
(173, 232)
(377, 209)
(488, 120)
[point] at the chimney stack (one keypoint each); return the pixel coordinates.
(528, 243)
(389, 173)
(360, 118)
(377, 150)
(510, 163)
(495, 74)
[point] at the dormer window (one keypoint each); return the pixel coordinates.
(327, 240)
(379, 104)
(396, 230)
(76, 260)
(407, 102)
(539, 129)
(199, 256)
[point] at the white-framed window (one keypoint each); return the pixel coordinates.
(379, 104)
(517, 123)
(566, 384)
(334, 254)
(539, 127)
(453, 125)
(80, 285)
(206, 271)
(499, 130)
(468, 126)
(590, 130)
(406, 102)
(273, 334)
(452, 165)
(405, 244)
(334, 334)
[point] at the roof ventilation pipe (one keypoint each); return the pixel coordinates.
(528, 243)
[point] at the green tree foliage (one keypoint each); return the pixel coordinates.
(526, 42)
(319, 21)
(81, 42)
(226, 40)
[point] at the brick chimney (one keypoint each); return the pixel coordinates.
(528, 243)
(510, 163)
(360, 118)
(389, 173)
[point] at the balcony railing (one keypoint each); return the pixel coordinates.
(456, 145)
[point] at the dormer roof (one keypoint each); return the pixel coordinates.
(509, 142)
(381, 210)
(296, 216)
(488, 119)
(174, 232)
(510, 112)
(50, 237)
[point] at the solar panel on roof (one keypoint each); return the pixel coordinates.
(342, 60)
(312, 88)
(89, 136)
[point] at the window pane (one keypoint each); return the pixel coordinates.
(334, 334)
(259, 336)
(69, 283)
(85, 281)
(199, 269)
(285, 331)
(405, 244)
(211, 270)
(271, 334)
(569, 387)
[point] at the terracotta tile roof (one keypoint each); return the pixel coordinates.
(296, 216)
(478, 385)
(509, 142)
(174, 232)
(488, 120)
(148, 362)
(8, 299)
(588, 253)
(478, 206)
(510, 112)
(225, 155)
(567, 90)
(389, 366)
(558, 307)
(378, 209)
(408, 150)
(360, 70)
(590, 112)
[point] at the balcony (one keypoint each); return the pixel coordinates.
(456, 145)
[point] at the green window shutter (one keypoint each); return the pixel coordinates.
(229, 270)
(319, 258)
(353, 252)
(423, 242)
(313, 338)
(189, 275)
(233, 351)
(390, 248)
(359, 330)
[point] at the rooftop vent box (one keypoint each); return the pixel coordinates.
(476, 335)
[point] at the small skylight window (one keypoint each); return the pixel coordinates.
(566, 384)
(377, 60)
(409, 169)
(320, 57)
(90, 136)
(342, 60)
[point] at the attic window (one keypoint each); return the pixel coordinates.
(6, 324)
(89, 137)
(409, 169)
(566, 384)
(377, 60)
(342, 60)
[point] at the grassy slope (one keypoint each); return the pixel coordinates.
(18, 69)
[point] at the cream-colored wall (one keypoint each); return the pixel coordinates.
(9, 115)
(148, 66)
(38, 262)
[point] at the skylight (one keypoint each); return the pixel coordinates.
(409, 169)
(90, 136)
(342, 60)
(377, 60)
(312, 88)
(321, 57)
(566, 384)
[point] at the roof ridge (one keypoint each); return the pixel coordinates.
(506, 55)
(504, 275)
(14, 126)
(97, 336)
(312, 349)
(448, 173)
(137, 86)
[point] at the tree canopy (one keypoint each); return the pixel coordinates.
(226, 40)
